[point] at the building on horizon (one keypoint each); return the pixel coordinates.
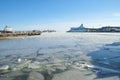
(110, 29)
(81, 28)
(8, 29)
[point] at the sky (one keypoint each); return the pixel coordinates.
(59, 15)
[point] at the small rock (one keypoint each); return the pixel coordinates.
(35, 76)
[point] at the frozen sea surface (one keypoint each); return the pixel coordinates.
(101, 49)
(58, 44)
(83, 42)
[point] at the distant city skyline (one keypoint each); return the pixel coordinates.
(58, 15)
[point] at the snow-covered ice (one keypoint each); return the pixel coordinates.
(61, 49)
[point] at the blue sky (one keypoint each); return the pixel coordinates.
(58, 14)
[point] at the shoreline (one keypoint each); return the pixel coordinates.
(12, 35)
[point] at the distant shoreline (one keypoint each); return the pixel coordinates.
(91, 32)
(11, 35)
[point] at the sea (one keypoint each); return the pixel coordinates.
(57, 42)
(66, 52)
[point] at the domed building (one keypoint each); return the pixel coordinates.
(8, 29)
